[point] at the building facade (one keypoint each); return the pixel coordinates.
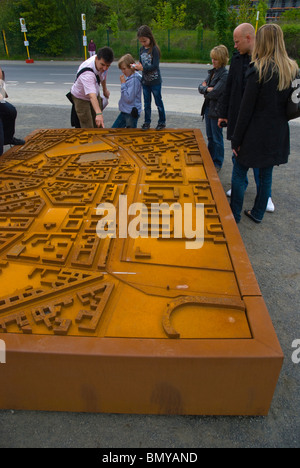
(277, 7)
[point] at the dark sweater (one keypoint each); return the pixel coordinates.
(151, 73)
(234, 90)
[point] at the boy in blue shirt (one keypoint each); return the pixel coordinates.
(130, 104)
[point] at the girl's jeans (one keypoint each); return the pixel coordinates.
(156, 91)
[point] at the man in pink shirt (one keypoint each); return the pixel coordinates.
(86, 89)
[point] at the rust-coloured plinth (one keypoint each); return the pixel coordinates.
(126, 324)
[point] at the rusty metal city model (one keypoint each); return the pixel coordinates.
(126, 324)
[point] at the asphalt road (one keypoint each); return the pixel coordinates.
(273, 248)
(48, 82)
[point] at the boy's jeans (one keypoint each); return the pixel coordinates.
(125, 121)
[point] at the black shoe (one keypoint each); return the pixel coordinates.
(249, 215)
(145, 126)
(160, 126)
(17, 142)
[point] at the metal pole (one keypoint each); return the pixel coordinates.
(5, 43)
(257, 19)
(25, 42)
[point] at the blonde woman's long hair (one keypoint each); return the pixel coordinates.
(270, 56)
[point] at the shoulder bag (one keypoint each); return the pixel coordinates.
(74, 118)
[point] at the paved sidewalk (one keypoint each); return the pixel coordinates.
(275, 255)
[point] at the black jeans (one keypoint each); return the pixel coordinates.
(8, 115)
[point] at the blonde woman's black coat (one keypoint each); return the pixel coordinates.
(262, 136)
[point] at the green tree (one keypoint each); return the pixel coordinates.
(223, 23)
(290, 24)
(54, 26)
(70, 11)
(137, 13)
(168, 17)
(246, 12)
(198, 10)
(262, 8)
(290, 16)
(99, 16)
(113, 24)
(44, 24)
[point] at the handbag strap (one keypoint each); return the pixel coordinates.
(86, 69)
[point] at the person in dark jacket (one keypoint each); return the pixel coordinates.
(92, 48)
(261, 137)
(244, 41)
(212, 89)
(8, 115)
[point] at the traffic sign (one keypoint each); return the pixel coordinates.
(83, 20)
(23, 25)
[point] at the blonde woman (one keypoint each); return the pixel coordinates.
(261, 138)
(212, 89)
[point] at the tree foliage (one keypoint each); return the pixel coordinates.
(246, 12)
(53, 25)
(290, 24)
(223, 24)
(167, 17)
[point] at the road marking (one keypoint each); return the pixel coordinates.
(182, 88)
(15, 83)
(176, 87)
(179, 78)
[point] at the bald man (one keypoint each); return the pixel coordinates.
(244, 40)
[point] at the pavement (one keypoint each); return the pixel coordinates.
(274, 252)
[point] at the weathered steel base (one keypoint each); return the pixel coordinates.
(126, 325)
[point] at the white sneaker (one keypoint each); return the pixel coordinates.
(228, 193)
(270, 206)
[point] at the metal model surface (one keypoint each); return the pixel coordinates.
(133, 312)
